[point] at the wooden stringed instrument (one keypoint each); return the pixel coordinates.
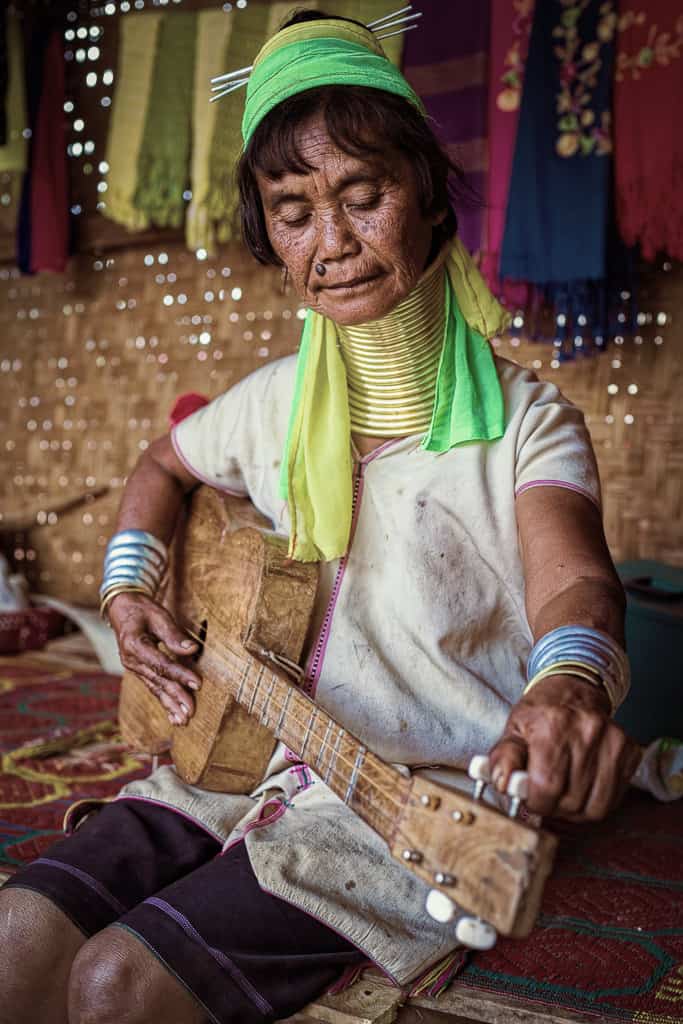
(233, 589)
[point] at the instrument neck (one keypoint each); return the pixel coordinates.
(373, 789)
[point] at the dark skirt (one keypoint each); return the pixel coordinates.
(245, 955)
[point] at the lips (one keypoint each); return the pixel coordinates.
(352, 283)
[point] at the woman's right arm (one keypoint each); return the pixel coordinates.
(151, 501)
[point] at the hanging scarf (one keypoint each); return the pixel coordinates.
(49, 198)
(162, 166)
(446, 62)
(511, 22)
(13, 152)
(557, 215)
(134, 76)
(4, 76)
(213, 32)
(648, 97)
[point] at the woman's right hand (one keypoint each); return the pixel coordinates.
(141, 625)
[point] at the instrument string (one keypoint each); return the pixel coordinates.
(239, 663)
(358, 797)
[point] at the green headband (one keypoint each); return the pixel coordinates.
(314, 54)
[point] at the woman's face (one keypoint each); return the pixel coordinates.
(360, 218)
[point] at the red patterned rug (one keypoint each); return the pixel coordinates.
(58, 743)
(609, 944)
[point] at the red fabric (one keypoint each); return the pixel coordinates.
(28, 629)
(648, 99)
(185, 405)
(49, 180)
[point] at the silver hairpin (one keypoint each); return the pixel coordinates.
(400, 21)
(231, 88)
(233, 74)
(387, 17)
(236, 83)
(399, 32)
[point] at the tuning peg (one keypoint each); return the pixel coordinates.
(440, 907)
(480, 771)
(518, 791)
(475, 933)
(470, 931)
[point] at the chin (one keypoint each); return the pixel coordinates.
(353, 310)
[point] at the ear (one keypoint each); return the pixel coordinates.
(438, 218)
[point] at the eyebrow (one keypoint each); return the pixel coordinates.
(357, 178)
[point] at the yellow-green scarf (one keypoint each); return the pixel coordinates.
(13, 153)
(316, 476)
(162, 172)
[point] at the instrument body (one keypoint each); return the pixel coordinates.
(250, 607)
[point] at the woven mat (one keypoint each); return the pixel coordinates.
(609, 942)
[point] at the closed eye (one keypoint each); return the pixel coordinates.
(296, 222)
(369, 204)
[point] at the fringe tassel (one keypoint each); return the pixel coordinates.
(437, 978)
(348, 978)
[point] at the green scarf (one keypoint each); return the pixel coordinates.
(165, 145)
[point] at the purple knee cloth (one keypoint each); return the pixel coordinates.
(245, 955)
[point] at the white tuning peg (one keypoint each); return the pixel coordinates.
(475, 933)
(440, 906)
(480, 771)
(518, 791)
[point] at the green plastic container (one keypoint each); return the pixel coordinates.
(654, 641)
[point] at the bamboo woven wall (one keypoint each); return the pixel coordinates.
(91, 362)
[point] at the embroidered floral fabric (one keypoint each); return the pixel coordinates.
(572, 46)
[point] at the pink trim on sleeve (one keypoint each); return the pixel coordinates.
(200, 476)
(557, 483)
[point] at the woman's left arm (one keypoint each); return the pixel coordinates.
(561, 732)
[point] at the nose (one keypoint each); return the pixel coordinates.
(336, 237)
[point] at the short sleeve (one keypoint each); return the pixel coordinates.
(233, 441)
(553, 446)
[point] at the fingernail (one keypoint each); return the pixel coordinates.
(186, 709)
(173, 719)
(193, 685)
(497, 778)
(187, 643)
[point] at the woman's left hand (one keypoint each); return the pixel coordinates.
(579, 762)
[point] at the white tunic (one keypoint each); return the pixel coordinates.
(422, 637)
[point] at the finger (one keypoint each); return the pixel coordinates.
(165, 673)
(170, 705)
(145, 648)
(509, 755)
(166, 629)
(612, 775)
(548, 767)
(584, 746)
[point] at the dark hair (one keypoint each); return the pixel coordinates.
(360, 121)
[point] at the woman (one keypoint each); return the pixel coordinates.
(453, 502)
